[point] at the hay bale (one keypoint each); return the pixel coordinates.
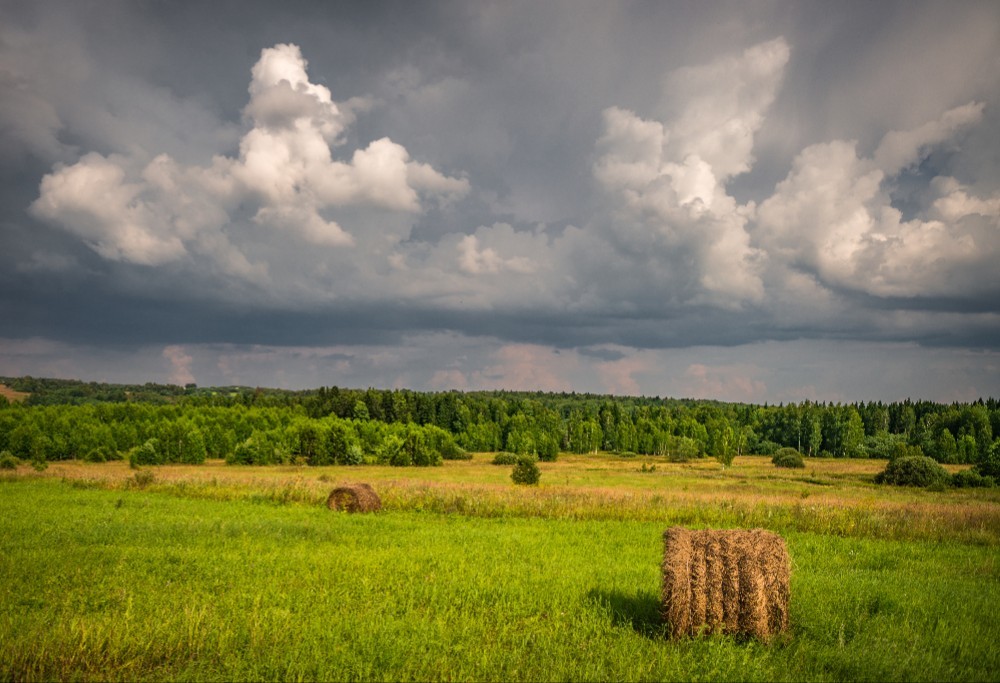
(354, 498)
(734, 581)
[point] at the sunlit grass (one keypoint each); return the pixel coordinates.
(832, 496)
(121, 583)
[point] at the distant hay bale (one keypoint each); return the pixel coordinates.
(734, 581)
(354, 498)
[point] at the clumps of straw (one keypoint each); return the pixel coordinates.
(354, 498)
(733, 581)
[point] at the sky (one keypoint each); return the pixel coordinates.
(747, 201)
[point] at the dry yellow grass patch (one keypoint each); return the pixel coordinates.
(829, 496)
(11, 395)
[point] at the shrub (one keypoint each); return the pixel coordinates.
(98, 454)
(8, 461)
(143, 478)
(788, 457)
(914, 470)
(147, 454)
(506, 458)
(525, 471)
(450, 450)
(968, 479)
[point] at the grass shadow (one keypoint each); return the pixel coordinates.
(639, 611)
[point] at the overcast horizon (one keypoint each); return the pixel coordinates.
(746, 201)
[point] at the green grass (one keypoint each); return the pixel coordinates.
(126, 583)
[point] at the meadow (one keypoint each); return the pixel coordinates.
(217, 572)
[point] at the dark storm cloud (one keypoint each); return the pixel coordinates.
(604, 177)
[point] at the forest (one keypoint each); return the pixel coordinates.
(156, 424)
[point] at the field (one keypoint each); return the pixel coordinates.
(218, 572)
(11, 395)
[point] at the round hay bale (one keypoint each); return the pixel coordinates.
(725, 580)
(354, 498)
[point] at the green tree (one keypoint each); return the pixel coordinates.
(360, 411)
(989, 465)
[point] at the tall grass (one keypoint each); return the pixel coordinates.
(834, 497)
(133, 583)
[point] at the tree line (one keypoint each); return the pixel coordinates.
(153, 423)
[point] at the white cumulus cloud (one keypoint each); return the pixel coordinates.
(285, 180)
(667, 179)
(833, 215)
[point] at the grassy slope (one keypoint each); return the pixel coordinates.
(215, 581)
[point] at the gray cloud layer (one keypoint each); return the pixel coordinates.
(502, 182)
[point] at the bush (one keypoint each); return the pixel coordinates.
(506, 458)
(968, 479)
(143, 478)
(148, 453)
(526, 471)
(788, 457)
(8, 461)
(913, 470)
(452, 451)
(98, 454)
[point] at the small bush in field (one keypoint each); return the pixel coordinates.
(913, 470)
(99, 454)
(143, 478)
(526, 471)
(968, 479)
(148, 453)
(8, 461)
(788, 457)
(505, 458)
